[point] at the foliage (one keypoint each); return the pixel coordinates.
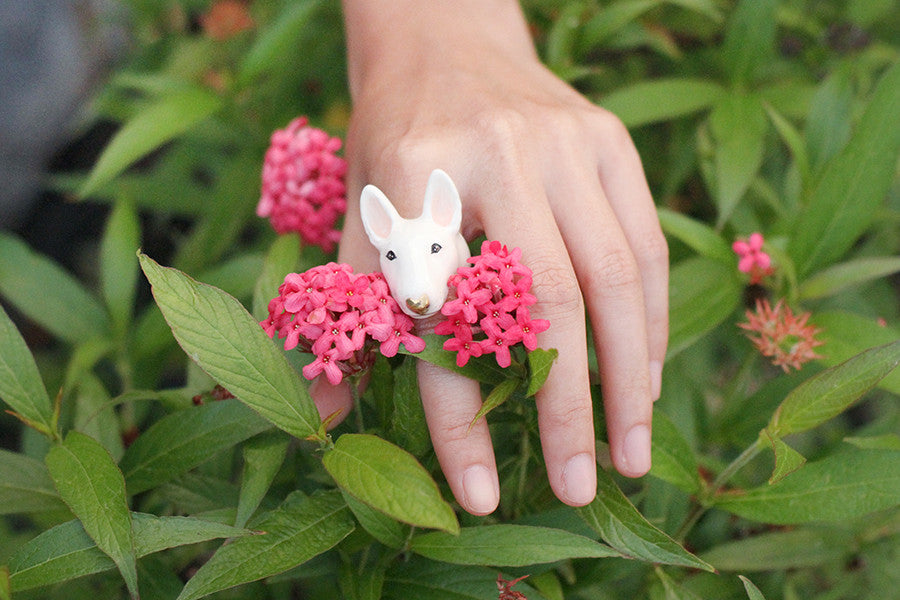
(122, 471)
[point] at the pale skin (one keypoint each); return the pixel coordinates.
(457, 85)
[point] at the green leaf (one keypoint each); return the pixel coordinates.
(118, 263)
(648, 102)
(25, 485)
(408, 427)
(365, 585)
(383, 528)
(220, 336)
(833, 391)
(621, 526)
(182, 440)
(847, 334)
(539, 363)
(263, 457)
(301, 528)
(780, 550)
(847, 485)
(281, 259)
(787, 460)
(66, 551)
(752, 591)
(559, 47)
(483, 368)
(839, 277)
(507, 546)
(700, 237)
(672, 589)
(21, 386)
(738, 125)
(704, 7)
(610, 20)
(388, 479)
(495, 398)
(673, 458)
(276, 41)
(830, 115)
(794, 141)
(95, 415)
(47, 294)
(887, 441)
(88, 481)
(155, 124)
(853, 185)
(5, 588)
(59, 554)
(749, 39)
(421, 578)
(702, 293)
(154, 534)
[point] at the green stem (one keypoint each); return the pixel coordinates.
(745, 457)
(357, 403)
(727, 473)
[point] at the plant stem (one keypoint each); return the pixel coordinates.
(727, 473)
(357, 403)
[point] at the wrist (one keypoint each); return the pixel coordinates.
(397, 40)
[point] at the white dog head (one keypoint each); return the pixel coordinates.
(417, 255)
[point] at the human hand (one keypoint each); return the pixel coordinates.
(538, 167)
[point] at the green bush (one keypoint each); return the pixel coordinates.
(777, 116)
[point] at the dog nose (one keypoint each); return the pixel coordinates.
(419, 305)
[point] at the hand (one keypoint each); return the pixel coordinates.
(538, 167)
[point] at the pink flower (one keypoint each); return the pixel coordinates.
(752, 259)
(782, 336)
(303, 184)
(464, 348)
(341, 317)
(491, 297)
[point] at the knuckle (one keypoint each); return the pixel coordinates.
(652, 248)
(555, 287)
(568, 417)
(614, 274)
(612, 129)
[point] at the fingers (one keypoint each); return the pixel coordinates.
(450, 401)
(611, 283)
(331, 399)
(466, 455)
(519, 215)
(626, 189)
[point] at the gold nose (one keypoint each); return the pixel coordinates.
(418, 306)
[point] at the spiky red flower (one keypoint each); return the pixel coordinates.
(784, 337)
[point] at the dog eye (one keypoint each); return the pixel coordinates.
(390, 255)
(435, 248)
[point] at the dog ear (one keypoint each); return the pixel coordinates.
(442, 204)
(378, 214)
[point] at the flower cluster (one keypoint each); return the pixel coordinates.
(752, 259)
(784, 337)
(492, 298)
(303, 186)
(340, 316)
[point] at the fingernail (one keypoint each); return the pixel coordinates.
(480, 489)
(636, 451)
(580, 479)
(655, 379)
